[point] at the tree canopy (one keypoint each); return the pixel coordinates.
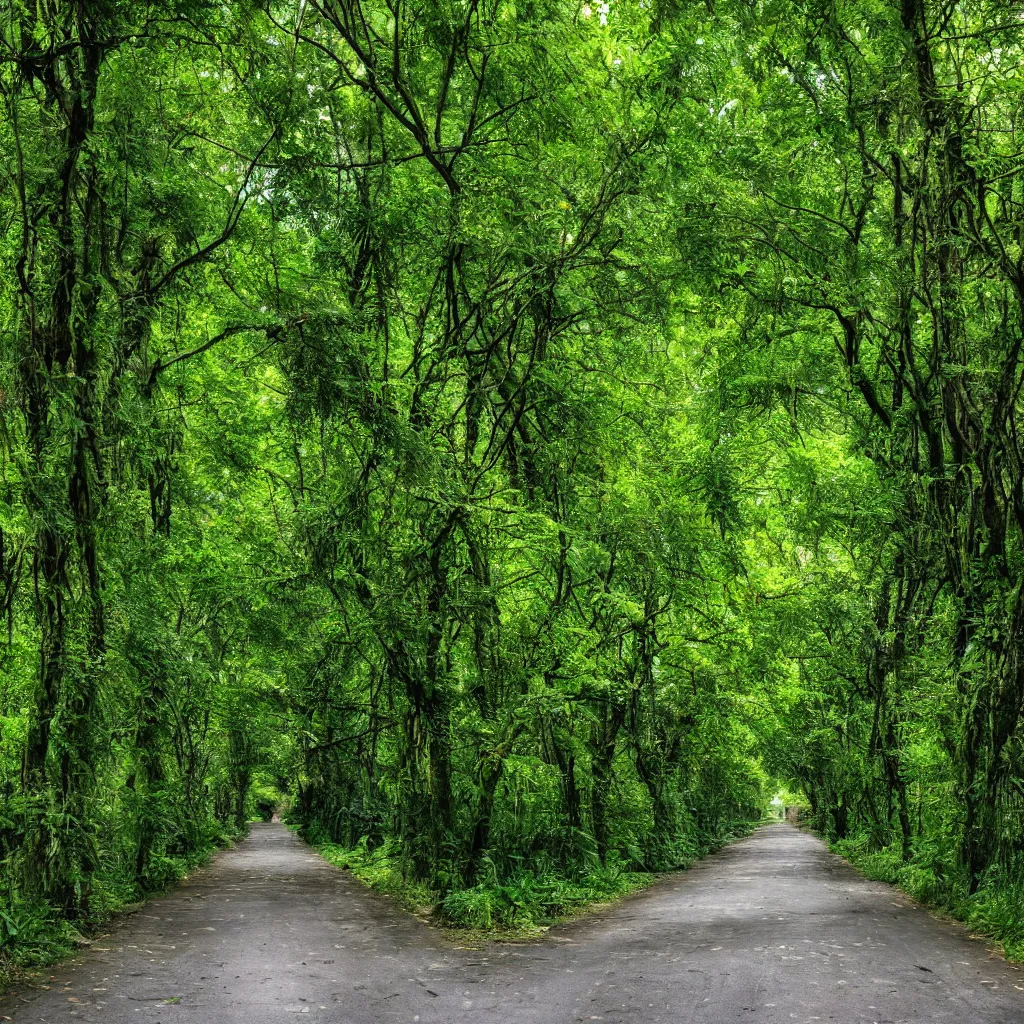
(518, 437)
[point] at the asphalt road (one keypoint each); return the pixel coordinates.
(771, 929)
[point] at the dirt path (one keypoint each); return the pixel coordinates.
(771, 929)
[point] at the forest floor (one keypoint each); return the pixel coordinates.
(772, 928)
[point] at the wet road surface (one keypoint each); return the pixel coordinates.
(771, 929)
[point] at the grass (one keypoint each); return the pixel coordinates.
(995, 911)
(519, 907)
(522, 906)
(378, 872)
(34, 935)
(529, 902)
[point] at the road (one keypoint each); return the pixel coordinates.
(771, 929)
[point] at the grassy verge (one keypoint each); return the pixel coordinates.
(996, 910)
(522, 906)
(34, 934)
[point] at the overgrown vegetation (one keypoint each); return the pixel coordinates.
(34, 933)
(520, 903)
(992, 910)
(520, 435)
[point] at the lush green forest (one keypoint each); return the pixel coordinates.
(512, 438)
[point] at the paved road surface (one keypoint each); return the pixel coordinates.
(771, 929)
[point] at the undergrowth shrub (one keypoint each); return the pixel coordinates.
(994, 910)
(524, 898)
(378, 868)
(33, 933)
(528, 900)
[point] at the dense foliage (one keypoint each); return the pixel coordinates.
(511, 436)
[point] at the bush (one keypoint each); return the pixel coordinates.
(994, 910)
(31, 933)
(523, 902)
(528, 901)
